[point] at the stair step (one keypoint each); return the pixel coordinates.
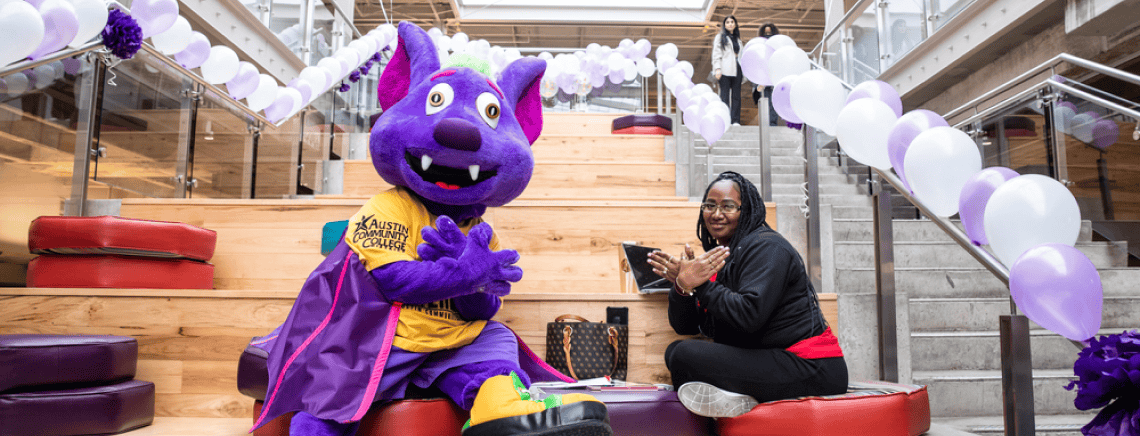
(981, 350)
(1051, 425)
(834, 200)
(949, 254)
(934, 315)
(862, 229)
(970, 282)
(978, 392)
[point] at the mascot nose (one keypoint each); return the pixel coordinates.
(458, 134)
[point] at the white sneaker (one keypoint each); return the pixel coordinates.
(736, 124)
(707, 400)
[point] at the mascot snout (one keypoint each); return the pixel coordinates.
(457, 134)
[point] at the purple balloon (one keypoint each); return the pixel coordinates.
(1058, 288)
(877, 90)
(72, 65)
(1105, 133)
(304, 87)
(196, 53)
(154, 16)
(60, 24)
(1069, 105)
(975, 194)
(245, 82)
(904, 131)
(782, 100)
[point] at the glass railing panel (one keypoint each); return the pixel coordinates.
(1102, 159)
(223, 150)
(905, 27)
(276, 157)
(831, 56)
(611, 97)
(146, 107)
(1016, 138)
(864, 33)
(38, 118)
(314, 151)
(942, 11)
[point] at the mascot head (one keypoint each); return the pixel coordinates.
(454, 135)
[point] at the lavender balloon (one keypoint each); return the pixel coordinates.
(195, 53)
(1105, 133)
(1057, 287)
(904, 131)
(60, 24)
(782, 100)
(154, 16)
(972, 201)
(877, 90)
(245, 82)
(304, 87)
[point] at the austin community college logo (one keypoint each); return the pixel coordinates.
(370, 233)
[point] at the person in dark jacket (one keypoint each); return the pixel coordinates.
(749, 292)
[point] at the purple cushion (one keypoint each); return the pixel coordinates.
(39, 360)
(105, 409)
(646, 413)
(253, 371)
(651, 120)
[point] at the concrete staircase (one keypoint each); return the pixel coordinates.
(948, 304)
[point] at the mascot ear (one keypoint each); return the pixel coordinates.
(520, 83)
(414, 59)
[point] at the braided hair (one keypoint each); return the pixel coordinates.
(752, 211)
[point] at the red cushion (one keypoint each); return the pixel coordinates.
(642, 130)
(107, 271)
(117, 235)
(426, 417)
(874, 408)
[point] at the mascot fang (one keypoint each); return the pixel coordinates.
(400, 301)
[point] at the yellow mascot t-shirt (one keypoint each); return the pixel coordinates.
(387, 229)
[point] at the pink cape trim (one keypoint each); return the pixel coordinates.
(381, 361)
(297, 352)
(541, 363)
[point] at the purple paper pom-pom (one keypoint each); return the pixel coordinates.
(122, 34)
(1108, 374)
(344, 87)
(354, 77)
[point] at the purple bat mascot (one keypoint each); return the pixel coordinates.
(400, 301)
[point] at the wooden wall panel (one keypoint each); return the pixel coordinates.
(190, 340)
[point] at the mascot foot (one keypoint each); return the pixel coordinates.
(503, 407)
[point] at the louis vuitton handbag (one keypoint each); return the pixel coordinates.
(584, 349)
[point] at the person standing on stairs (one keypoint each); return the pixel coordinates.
(726, 66)
(766, 31)
(750, 293)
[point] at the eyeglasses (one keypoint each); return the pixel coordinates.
(727, 208)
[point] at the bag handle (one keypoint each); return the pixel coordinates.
(568, 332)
(565, 317)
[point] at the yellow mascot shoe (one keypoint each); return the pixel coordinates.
(504, 407)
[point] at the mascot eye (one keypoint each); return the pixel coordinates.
(440, 97)
(489, 108)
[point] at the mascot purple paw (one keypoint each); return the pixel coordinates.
(407, 297)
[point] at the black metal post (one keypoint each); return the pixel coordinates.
(885, 285)
(1016, 376)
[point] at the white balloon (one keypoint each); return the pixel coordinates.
(350, 56)
(1064, 119)
(787, 61)
(333, 66)
(754, 65)
(690, 117)
(288, 101)
(45, 75)
(862, 128)
(645, 67)
(702, 88)
(318, 77)
(1080, 126)
(174, 39)
(387, 33)
(817, 97)
(1027, 211)
(154, 16)
(938, 164)
(780, 41)
(546, 56)
(244, 82)
(663, 65)
(264, 95)
(58, 67)
(221, 66)
(24, 29)
(757, 40)
(667, 51)
(364, 48)
(92, 16)
(17, 84)
(687, 68)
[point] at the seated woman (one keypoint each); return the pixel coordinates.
(749, 292)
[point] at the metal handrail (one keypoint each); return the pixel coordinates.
(62, 54)
(1049, 64)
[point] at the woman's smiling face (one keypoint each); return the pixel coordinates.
(722, 225)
